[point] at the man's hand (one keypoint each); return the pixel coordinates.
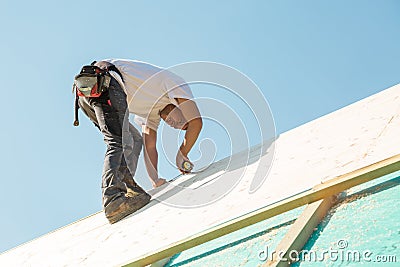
(158, 182)
(180, 159)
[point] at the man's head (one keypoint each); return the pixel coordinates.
(173, 116)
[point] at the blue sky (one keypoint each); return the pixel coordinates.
(309, 58)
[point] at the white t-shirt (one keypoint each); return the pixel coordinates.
(149, 89)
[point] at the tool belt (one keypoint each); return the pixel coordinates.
(91, 81)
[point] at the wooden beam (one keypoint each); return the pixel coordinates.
(300, 231)
(329, 188)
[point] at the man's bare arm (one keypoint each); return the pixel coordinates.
(195, 123)
(151, 154)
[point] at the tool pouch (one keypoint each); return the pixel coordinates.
(91, 81)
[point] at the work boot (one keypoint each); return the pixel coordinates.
(132, 188)
(123, 206)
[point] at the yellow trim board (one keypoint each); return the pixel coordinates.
(321, 191)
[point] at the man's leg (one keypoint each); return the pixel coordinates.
(112, 120)
(107, 120)
(131, 147)
(129, 166)
(132, 144)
